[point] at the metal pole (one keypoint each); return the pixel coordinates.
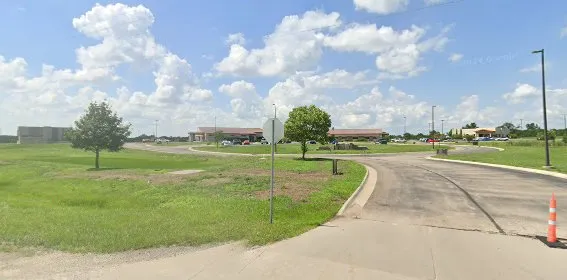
(565, 122)
(217, 142)
(442, 127)
(273, 167)
(156, 130)
(433, 125)
(547, 161)
(405, 122)
(275, 116)
(521, 124)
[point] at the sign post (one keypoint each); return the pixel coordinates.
(273, 132)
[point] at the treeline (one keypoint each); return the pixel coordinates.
(8, 139)
(144, 136)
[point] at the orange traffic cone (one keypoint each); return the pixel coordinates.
(552, 227)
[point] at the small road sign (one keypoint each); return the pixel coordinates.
(276, 126)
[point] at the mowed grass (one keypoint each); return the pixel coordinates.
(51, 198)
(296, 149)
(521, 154)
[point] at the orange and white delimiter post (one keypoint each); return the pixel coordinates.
(552, 224)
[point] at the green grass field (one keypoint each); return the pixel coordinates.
(51, 198)
(296, 149)
(530, 155)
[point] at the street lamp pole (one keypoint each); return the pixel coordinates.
(275, 116)
(155, 137)
(433, 126)
(442, 128)
(547, 161)
(405, 122)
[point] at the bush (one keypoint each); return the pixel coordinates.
(513, 136)
(469, 137)
(361, 140)
(551, 135)
(564, 138)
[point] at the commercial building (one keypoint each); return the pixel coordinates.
(41, 135)
(357, 134)
(207, 134)
(482, 132)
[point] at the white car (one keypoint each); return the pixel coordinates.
(502, 139)
(399, 140)
(226, 143)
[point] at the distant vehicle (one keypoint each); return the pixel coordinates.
(226, 143)
(312, 142)
(263, 141)
(236, 142)
(381, 141)
(502, 139)
(483, 139)
(246, 142)
(399, 140)
(430, 140)
(160, 141)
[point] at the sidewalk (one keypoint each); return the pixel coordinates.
(360, 249)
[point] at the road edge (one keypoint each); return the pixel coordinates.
(523, 169)
(366, 187)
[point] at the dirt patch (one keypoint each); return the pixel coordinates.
(214, 181)
(2, 162)
(297, 186)
(121, 175)
(186, 172)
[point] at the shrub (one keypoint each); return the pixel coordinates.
(564, 138)
(513, 136)
(469, 137)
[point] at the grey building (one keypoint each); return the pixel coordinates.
(41, 135)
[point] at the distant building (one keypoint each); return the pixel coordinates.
(41, 135)
(482, 132)
(357, 134)
(207, 134)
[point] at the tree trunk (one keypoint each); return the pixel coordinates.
(96, 159)
(303, 150)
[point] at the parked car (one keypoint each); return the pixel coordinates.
(430, 140)
(236, 142)
(226, 143)
(381, 141)
(263, 141)
(312, 142)
(399, 140)
(502, 139)
(246, 142)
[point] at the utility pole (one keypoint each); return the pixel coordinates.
(433, 125)
(442, 127)
(521, 124)
(565, 122)
(547, 160)
(429, 127)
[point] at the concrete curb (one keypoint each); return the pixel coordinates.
(523, 169)
(496, 148)
(354, 205)
(355, 193)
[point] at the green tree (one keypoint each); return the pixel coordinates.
(219, 136)
(99, 129)
(307, 123)
(532, 126)
(469, 137)
(508, 125)
(470, 125)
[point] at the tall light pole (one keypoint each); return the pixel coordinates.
(405, 122)
(547, 161)
(565, 122)
(521, 124)
(433, 125)
(155, 135)
(442, 128)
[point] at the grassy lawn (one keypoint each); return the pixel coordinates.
(296, 149)
(51, 198)
(522, 154)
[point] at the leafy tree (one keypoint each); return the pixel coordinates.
(307, 123)
(564, 138)
(532, 126)
(508, 125)
(99, 129)
(218, 136)
(470, 125)
(551, 135)
(408, 136)
(469, 137)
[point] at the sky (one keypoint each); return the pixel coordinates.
(368, 63)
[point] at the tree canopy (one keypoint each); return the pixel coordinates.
(307, 123)
(99, 129)
(470, 125)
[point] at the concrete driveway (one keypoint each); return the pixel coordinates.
(423, 220)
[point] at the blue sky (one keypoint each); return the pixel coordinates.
(495, 39)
